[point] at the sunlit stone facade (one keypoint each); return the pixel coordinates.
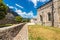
(44, 13)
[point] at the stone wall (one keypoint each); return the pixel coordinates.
(47, 9)
(9, 33)
(44, 11)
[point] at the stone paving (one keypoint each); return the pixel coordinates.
(23, 34)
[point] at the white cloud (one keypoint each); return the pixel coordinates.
(7, 4)
(23, 14)
(10, 6)
(43, 0)
(26, 15)
(19, 6)
(35, 1)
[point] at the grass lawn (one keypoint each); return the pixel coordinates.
(37, 32)
(5, 25)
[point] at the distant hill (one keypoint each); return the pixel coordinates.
(13, 12)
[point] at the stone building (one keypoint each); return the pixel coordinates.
(49, 13)
(33, 20)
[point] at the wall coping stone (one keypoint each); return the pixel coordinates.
(6, 28)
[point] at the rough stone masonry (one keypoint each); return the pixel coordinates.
(15, 32)
(45, 13)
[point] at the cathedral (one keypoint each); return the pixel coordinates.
(49, 13)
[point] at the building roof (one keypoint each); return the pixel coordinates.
(44, 4)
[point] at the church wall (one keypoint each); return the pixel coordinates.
(56, 13)
(44, 10)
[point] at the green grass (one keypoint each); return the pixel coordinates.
(5, 25)
(38, 32)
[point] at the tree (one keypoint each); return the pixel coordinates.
(25, 20)
(0, 1)
(18, 19)
(3, 10)
(2, 15)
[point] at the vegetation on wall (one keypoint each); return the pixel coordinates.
(21, 19)
(18, 18)
(3, 10)
(26, 20)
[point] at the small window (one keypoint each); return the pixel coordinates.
(41, 18)
(49, 16)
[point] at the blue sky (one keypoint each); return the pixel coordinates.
(25, 8)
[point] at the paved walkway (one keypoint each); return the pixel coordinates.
(23, 34)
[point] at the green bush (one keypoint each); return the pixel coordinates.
(2, 15)
(5, 25)
(3, 10)
(18, 19)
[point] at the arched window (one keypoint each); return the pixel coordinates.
(41, 18)
(49, 17)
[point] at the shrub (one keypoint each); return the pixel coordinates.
(18, 19)
(3, 10)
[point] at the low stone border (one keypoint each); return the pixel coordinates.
(8, 33)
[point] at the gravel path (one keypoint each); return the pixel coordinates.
(23, 34)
